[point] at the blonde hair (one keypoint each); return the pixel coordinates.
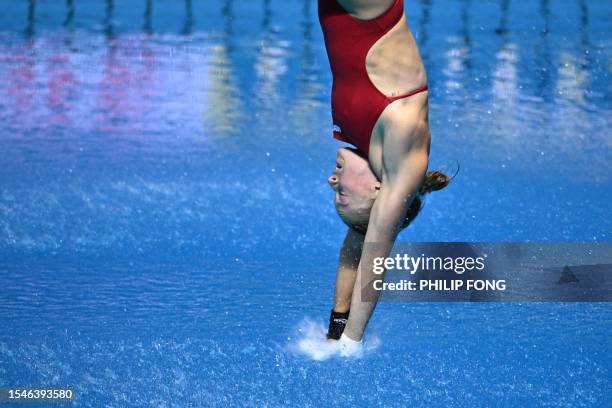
(433, 181)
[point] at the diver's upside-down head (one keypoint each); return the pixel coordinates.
(356, 188)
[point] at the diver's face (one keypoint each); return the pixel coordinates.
(355, 186)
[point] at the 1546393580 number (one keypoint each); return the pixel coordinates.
(15, 394)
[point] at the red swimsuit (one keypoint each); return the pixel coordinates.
(356, 102)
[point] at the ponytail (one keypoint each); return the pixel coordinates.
(433, 181)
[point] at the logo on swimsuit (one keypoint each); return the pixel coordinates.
(337, 128)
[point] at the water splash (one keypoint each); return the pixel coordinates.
(310, 341)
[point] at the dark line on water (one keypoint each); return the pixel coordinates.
(189, 19)
(109, 29)
(147, 27)
(69, 13)
(502, 30)
(29, 30)
(423, 36)
(465, 33)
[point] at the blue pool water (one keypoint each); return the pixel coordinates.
(166, 229)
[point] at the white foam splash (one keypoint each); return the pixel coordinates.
(310, 340)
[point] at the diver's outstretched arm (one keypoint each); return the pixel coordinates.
(348, 262)
(405, 159)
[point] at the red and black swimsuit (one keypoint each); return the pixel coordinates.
(356, 102)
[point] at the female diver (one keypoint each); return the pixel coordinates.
(379, 105)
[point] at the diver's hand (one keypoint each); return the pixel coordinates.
(350, 348)
(345, 347)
